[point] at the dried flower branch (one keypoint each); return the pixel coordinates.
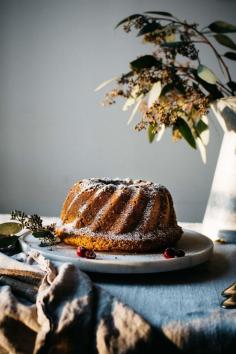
(171, 87)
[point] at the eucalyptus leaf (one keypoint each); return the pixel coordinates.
(154, 93)
(212, 89)
(145, 61)
(149, 28)
(7, 241)
(232, 85)
(160, 132)
(127, 75)
(201, 126)
(167, 88)
(134, 111)
(162, 13)
(105, 83)
(41, 233)
(222, 27)
(185, 131)
(10, 228)
(128, 103)
(132, 99)
(151, 133)
(230, 55)
(225, 41)
(202, 131)
(206, 74)
(127, 19)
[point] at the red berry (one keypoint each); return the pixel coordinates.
(81, 251)
(90, 254)
(180, 253)
(169, 252)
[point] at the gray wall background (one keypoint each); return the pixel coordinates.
(53, 130)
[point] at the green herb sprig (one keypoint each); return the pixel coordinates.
(31, 222)
(10, 232)
(34, 223)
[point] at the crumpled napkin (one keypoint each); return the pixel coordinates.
(57, 309)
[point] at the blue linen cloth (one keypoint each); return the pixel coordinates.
(184, 305)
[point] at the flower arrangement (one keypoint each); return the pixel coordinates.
(171, 87)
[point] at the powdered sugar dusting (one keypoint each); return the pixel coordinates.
(118, 183)
(132, 210)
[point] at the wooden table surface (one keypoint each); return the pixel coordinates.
(184, 305)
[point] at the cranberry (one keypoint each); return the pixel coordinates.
(90, 254)
(172, 252)
(180, 253)
(169, 252)
(81, 251)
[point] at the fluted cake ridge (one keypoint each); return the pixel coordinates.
(119, 214)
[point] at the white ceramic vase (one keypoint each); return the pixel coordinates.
(220, 216)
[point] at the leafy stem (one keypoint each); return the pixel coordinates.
(219, 57)
(205, 41)
(169, 93)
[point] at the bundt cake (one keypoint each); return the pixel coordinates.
(118, 215)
